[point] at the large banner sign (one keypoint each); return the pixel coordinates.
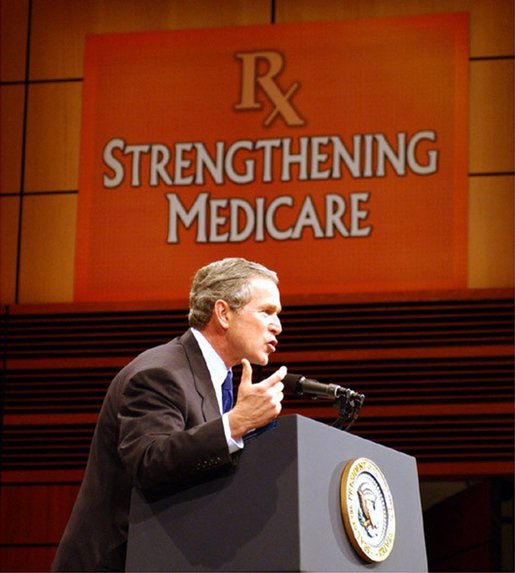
(334, 152)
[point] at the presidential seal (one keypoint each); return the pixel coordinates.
(367, 510)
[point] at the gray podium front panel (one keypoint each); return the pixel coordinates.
(278, 510)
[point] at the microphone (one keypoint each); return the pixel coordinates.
(298, 384)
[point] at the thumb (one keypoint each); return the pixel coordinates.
(246, 373)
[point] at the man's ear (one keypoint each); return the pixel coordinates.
(222, 313)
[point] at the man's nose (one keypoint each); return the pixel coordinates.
(276, 325)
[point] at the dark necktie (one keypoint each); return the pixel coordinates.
(227, 392)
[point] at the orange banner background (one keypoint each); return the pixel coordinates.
(383, 78)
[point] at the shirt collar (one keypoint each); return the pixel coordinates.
(215, 365)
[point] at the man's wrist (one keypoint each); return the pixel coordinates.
(234, 442)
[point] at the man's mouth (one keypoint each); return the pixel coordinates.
(271, 346)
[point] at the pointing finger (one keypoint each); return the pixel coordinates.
(277, 376)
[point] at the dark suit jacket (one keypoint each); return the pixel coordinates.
(159, 426)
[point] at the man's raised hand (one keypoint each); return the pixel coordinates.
(257, 404)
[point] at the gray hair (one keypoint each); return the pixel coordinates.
(226, 279)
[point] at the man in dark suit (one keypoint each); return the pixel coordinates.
(163, 423)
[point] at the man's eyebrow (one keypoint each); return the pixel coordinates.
(272, 307)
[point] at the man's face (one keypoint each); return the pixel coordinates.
(253, 329)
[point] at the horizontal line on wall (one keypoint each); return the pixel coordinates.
(55, 192)
(493, 174)
(81, 79)
(18, 483)
(489, 58)
(47, 81)
(41, 193)
(76, 191)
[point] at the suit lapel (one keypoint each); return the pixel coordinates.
(201, 377)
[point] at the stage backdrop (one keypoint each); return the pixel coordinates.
(333, 152)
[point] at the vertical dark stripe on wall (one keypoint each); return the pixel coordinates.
(4, 325)
(272, 11)
(23, 154)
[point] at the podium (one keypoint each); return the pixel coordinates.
(277, 510)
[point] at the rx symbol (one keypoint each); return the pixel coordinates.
(253, 77)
